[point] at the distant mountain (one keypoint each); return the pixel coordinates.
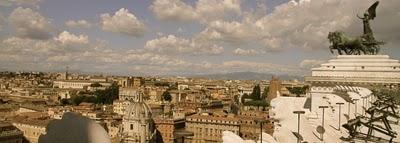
(247, 76)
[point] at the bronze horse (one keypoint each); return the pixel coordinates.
(352, 46)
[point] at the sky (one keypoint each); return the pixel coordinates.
(181, 37)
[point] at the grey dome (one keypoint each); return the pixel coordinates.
(138, 110)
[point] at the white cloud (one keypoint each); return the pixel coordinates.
(244, 52)
(238, 65)
(80, 54)
(2, 21)
(231, 32)
(174, 10)
(160, 34)
(211, 10)
(123, 22)
(204, 10)
(310, 63)
(18, 2)
(169, 44)
(68, 38)
(273, 44)
(176, 45)
(180, 30)
(30, 24)
(43, 55)
(78, 24)
(304, 24)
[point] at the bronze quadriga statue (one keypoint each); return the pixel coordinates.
(364, 44)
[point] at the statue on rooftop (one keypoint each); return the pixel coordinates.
(364, 44)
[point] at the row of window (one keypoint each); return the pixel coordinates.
(362, 67)
(212, 121)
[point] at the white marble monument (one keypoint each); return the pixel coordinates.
(346, 71)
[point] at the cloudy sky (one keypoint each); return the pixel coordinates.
(173, 37)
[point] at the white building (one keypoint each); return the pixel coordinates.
(77, 84)
(356, 70)
(119, 106)
(369, 71)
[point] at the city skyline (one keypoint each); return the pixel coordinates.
(177, 37)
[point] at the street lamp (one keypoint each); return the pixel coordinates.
(363, 98)
(261, 121)
(298, 123)
(340, 109)
(355, 107)
(323, 119)
(348, 111)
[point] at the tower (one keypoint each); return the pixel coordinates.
(274, 88)
(66, 73)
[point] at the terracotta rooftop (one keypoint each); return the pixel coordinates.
(32, 118)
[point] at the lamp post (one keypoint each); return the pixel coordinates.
(323, 119)
(298, 123)
(261, 121)
(340, 109)
(348, 110)
(363, 98)
(355, 107)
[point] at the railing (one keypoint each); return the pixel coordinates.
(351, 79)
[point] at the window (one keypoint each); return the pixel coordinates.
(131, 126)
(362, 67)
(333, 67)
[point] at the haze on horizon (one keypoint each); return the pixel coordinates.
(174, 37)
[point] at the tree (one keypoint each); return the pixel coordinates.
(108, 95)
(96, 84)
(65, 101)
(244, 96)
(77, 100)
(256, 94)
(298, 90)
(257, 103)
(166, 96)
(265, 92)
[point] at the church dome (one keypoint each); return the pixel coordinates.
(138, 110)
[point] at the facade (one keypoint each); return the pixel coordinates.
(10, 134)
(119, 106)
(125, 98)
(32, 129)
(77, 84)
(250, 125)
(208, 128)
(167, 127)
(32, 124)
(129, 82)
(137, 123)
(129, 94)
